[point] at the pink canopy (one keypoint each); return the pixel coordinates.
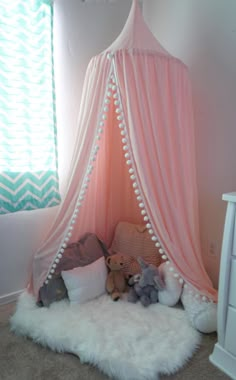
(134, 157)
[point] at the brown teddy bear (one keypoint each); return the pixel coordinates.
(115, 282)
(130, 265)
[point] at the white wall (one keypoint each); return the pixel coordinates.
(202, 33)
(82, 30)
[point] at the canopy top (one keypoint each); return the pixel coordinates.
(136, 35)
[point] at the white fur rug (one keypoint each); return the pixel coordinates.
(126, 341)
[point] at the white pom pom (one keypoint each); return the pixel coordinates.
(124, 140)
(150, 231)
(135, 184)
(181, 281)
(126, 155)
(164, 257)
(154, 238)
(141, 205)
(148, 225)
(131, 170)
(145, 218)
(128, 162)
(157, 244)
(104, 117)
(125, 147)
(139, 198)
(161, 250)
(204, 298)
(143, 212)
(132, 177)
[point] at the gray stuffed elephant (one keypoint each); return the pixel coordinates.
(146, 285)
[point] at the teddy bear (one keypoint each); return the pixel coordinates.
(115, 282)
(131, 265)
(202, 315)
(146, 285)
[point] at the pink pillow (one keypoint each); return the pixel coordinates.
(134, 240)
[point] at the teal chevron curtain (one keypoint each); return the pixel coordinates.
(28, 141)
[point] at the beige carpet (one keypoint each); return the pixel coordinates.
(21, 359)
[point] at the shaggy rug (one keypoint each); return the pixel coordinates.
(126, 341)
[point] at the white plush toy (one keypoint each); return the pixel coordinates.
(202, 315)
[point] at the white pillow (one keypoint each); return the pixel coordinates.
(85, 283)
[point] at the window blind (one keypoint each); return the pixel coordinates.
(28, 139)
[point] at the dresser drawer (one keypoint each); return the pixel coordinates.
(230, 333)
(232, 284)
(234, 241)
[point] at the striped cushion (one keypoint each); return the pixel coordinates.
(134, 240)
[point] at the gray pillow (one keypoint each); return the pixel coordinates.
(84, 252)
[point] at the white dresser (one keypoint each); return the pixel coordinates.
(224, 354)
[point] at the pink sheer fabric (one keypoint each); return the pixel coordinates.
(156, 100)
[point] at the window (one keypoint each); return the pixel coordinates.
(28, 140)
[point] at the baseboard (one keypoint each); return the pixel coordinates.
(11, 297)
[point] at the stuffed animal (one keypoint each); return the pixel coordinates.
(145, 285)
(131, 265)
(202, 315)
(115, 282)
